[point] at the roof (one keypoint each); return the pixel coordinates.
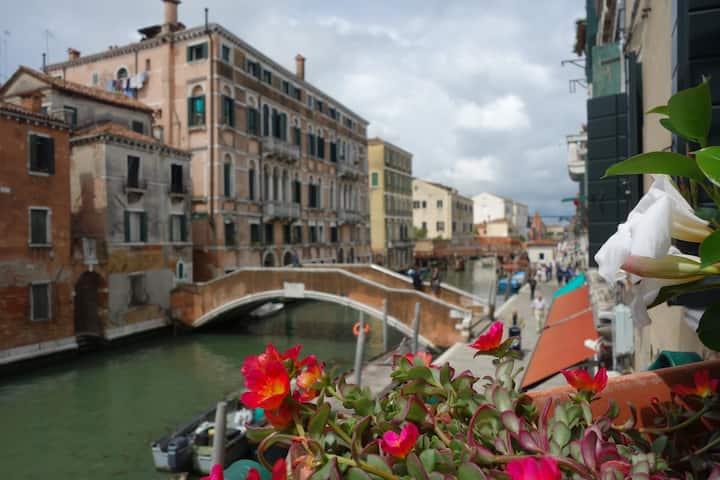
(78, 89)
(380, 141)
(194, 33)
(541, 243)
(20, 111)
(121, 131)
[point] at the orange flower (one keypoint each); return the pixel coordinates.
(426, 358)
(581, 380)
(400, 445)
(310, 375)
(267, 381)
(280, 417)
(704, 386)
(490, 340)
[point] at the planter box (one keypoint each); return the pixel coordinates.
(639, 388)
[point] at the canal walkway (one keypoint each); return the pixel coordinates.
(461, 355)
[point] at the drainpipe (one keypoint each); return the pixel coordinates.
(261, 176)
(212, 123)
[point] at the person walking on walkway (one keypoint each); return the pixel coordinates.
(538, 307)
(435, 280)
(533, 285)
(417, 281)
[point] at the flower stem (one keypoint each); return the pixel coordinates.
(340, 432)
(700, 451)
(364, 466)
(298, 425)
(679, 426)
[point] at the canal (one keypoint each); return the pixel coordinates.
(95, 415)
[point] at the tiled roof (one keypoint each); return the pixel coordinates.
(82, 90)
(123, 132)
(20, 110)
(541, 243)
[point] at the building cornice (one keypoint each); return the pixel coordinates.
(109, 137)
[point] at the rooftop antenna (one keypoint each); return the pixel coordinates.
(44, 69)
(207, 24)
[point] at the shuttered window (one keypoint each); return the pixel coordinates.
(135, 227)
(197, 52)
(39, 226)
(228, 111)
(251, 184)
(255, 233)
(42, 154)
(178, 228)
(297, 136)
(40, 295)
(253, 121)
(227, 180)
(196, 111)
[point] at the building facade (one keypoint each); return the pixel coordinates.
(442, 213)
(488, 207)
(36, 301)
(391, 212)
(279, 168)
(128, 206)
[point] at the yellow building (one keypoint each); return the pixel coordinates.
(391, 215)
(442, 213)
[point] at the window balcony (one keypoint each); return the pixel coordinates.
(349, 216)
(135, 185)
(274, 148)
(280, 210)
(348, 170)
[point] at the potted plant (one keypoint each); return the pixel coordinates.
(440, 424)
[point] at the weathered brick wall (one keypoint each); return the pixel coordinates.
(20, 264)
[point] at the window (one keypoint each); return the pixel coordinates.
(541, 256)
(253, 68)
(227, 179)
(180, 270)
(439, 204)
(333, 152)
(333, 113)
(176, 179)
(296, 93)
(319, 105)
(297, 234)
(133, 171)
(178, 228)
(71, 115)
(333, 234)
(440, 226)
(286, 87)
(225, 54)
(375, 176)
(297, 189)
(253, 121)
(310, 101)
(269, 234)
(424, 226)
(267, 77)
(122, 73)
(148, 65)
(254, 233)
(42, 154)
(229, 233)
(287, 238)
(138, 292)
(95, 79)
(40, 302)
(228, 111)
(297, 136)
(321, 234)
(313, 234)
(416, 204)
(320, 147)
(266, 121)
(251, 184)
(454, 227)
(196, 111)
(135, 227)
(138, 127)
(89, 246)
(39, 226)
(197, 52)
(311, 144)
(424, 204)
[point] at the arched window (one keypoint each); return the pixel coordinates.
(284, 187)
(266, 183)
(196, 107)
(275, 179)
(227, 176)
(266, 121)
(251, 180)
(319, 193)
(122, 74)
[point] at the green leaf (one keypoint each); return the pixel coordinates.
(377, 462)
(420, 372)
(668, 163)
(710, 250)
(690, 112)
(708, 160)
(710, 282)
(659, 445)
(561, 434)
(470, 471)
(415, 467)
(667, 124)
(661, 109)
(709, 328)
(258, 434)
(356, 474)
(317, 422)
(428, 459)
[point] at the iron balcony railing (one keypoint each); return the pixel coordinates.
(280, 150)
(276, 209)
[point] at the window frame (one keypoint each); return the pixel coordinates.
(183, 228)
(204, 51)
(133, 301)
(234, 234)
(374, 179)
(224, 47)
(48, 227)
(51, 166)
(49, 302)
(127, 233)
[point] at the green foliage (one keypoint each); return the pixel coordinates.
(709, 328)
(708, 160)
(668, 163)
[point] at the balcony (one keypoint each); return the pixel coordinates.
(349, 216)
(274, 148)
(348, 170)
(577, 155)
(135, 186)
(280, 210)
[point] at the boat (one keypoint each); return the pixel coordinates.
(267, 309)
(189, 448)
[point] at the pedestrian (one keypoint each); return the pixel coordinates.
(569, 274)
(548, 272)
(417, 281)
(538, 307)
(533, 285)
(435, 280)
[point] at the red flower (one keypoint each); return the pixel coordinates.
(311, 373)
(280, 417)
(704, 386)
(267, 381)
(400, 445)
(580, 380)
(216, 473)
(426, 358)
(252, 475)
(279, 471)
(490, 340)
(533, 468)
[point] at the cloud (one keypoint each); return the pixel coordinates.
(503, 113)
(472, 169)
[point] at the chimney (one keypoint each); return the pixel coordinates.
(73, 54)
(171, 12)
(33, 102)
(300, 66)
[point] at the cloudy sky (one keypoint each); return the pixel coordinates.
(474, 89)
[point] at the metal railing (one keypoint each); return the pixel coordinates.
(349, 216)
(280, 149)
(277, 209)
(348, 170)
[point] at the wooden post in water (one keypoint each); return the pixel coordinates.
(416, 329)
(359, 347)
(218, 452)
(386, 332)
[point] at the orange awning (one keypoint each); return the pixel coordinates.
(562, 342)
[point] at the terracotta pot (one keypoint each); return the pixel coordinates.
(638, 388)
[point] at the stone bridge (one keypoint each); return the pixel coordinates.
(444, 319)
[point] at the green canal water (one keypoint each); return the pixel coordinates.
(94, 416)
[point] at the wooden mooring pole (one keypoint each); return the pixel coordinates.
(416, 329)
(218, 451)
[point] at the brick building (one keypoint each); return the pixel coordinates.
(36, 304)
(279, 168)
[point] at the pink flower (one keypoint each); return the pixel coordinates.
(581, 380)
(400, 445)
(279, 471)
(216, 473)
(253, 475)
(533, 468)
(704, 386)
(490, 340)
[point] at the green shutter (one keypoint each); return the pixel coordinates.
(33, 152)
(204, 51)
(190, 111)
(127, 227)
(189, 54)
(183, 228)
(51, 155)
(143, 227)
